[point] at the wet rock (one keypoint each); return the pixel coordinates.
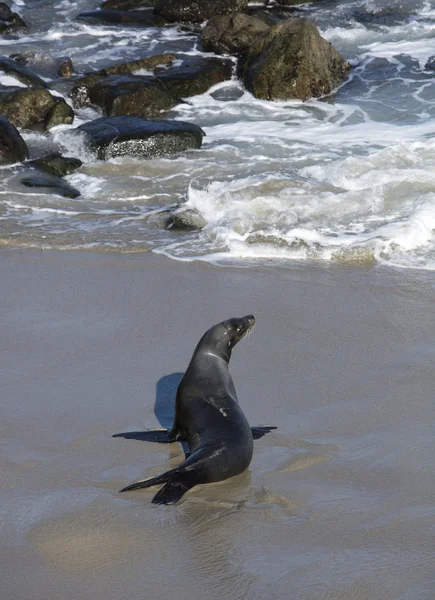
(24, 58)
(12, 146)
(195, 76)
(129, 95)
(132, 136)
(185, 219)
(292, 60)
(126, 4)
(231, 34)
(60, 113)
(196, 11)
(56, 164)
(430, 65)
(51, 183)
(64, 67)
(142, 64)
(137, 18)
(80, 93)
(10, 22)
(20, 72)
(24, 107)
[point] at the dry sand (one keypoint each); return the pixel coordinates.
(338, 504)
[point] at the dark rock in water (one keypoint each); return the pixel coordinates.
(59, 114)
(146, 64)
(10, 22)
(12, 146)
(25, 106)
(292, 60)
(52, 183)
(23, 74)
(24, 58)
(430, 65)
(55, 164)
(126, 4)
(129, 95)
(80, 93)
(185, 219)
(137, 18)
(196, 11)
(231, 34)
(132, 136)
(195, 76)
(65, 67)
(385, 16)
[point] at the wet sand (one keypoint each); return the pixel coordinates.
(338, 504)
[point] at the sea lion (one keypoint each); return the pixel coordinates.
(207, 416)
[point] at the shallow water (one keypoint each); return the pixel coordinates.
(343, 178)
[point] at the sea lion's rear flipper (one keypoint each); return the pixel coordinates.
(145, 483)
(258, 432)
(172, 491)
(150, 435)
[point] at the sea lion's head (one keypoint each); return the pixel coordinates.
(222, 338)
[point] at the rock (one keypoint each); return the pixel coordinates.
(132, 136)
(80, 93)
(25, 106)
(60, 113)
(137, 18)
(145, 64)
(12, 146)
(64, 67)
(196, 11)
(185, 219)
(20, 72)
(52, 183)
(24, 58)
(231, 34)
(195, 76)
(292, 60)
(430, 65)
(10, 22)
(129, 95)
(126, 4)
(55, 164)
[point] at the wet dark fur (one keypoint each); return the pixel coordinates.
(207, 416)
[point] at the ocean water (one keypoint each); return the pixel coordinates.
(345, 178)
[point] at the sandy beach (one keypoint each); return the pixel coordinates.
(338, 503)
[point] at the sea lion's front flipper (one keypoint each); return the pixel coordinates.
(150, 435)
(258, 432)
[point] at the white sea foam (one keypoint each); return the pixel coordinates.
(348, 177)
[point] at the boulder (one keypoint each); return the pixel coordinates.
(142, 64)
(126, 4)
(129, 95)
(55, 164)
(291, 60)
(60, 113)
(196, 11)
(25, 106)
(231, 34)
(20, 72)
(64, 67)
(185, 219)
(10, 22)
(51, 183)
(132, 136)
(12, 146)
(80, 93)
(136, 18)
(195, 76)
